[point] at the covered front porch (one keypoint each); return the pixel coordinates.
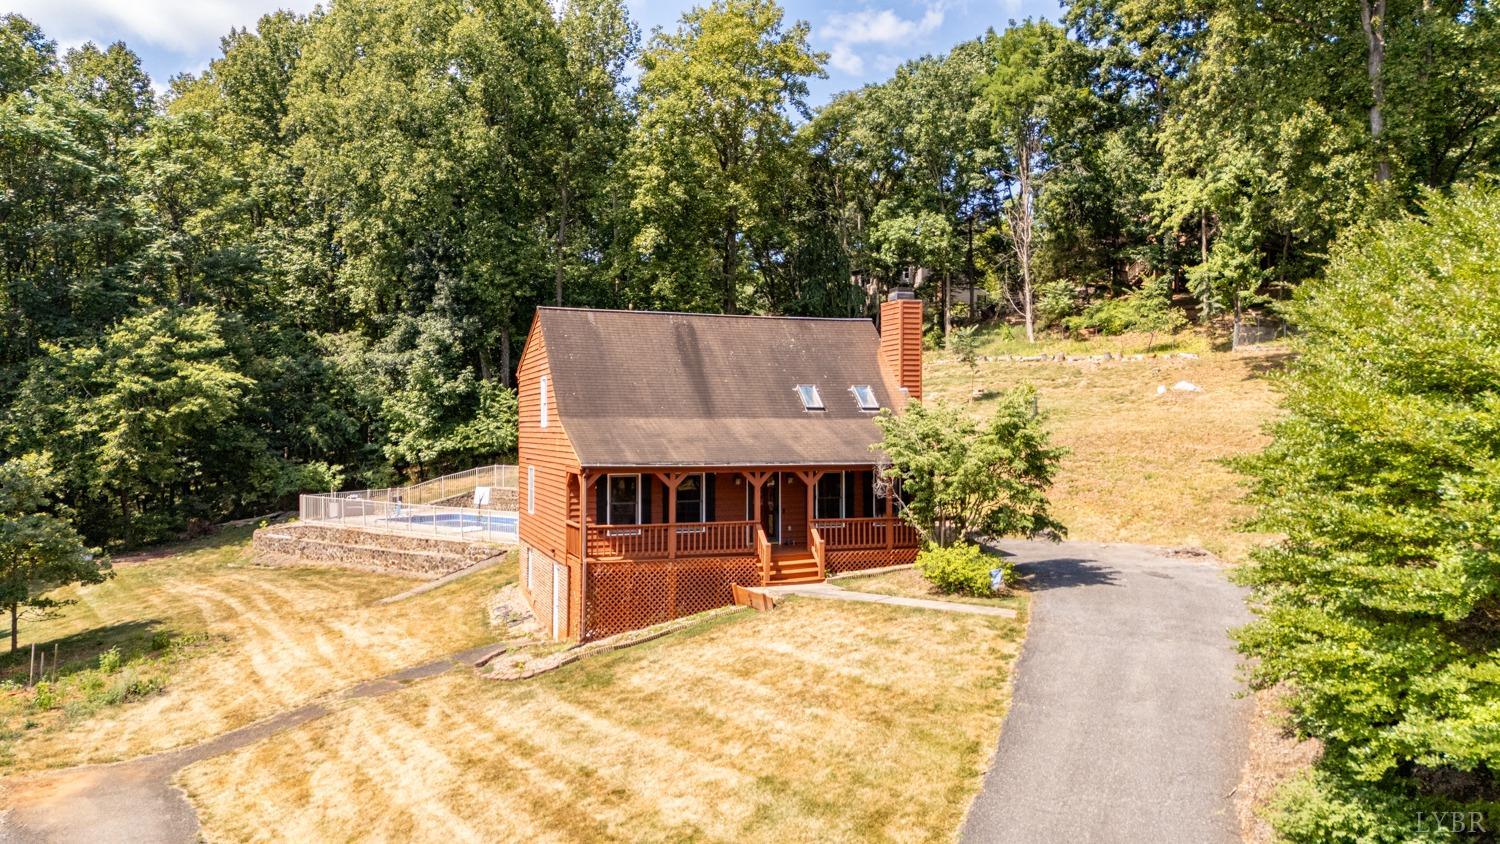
(792, 523)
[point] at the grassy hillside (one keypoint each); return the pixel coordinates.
(1144, 467)
(218, 642)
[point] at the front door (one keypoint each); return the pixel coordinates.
(770, 507)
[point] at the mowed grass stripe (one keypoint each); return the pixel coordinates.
(278, 637)
(818, 721)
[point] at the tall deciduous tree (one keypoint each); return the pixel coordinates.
(712, 139)
(146, 422)
(1301, 119)
(39, 549)
(1028, 100)
(593, 127)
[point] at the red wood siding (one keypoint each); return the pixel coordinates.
(548, 450)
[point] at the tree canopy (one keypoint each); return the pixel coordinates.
(331, 241)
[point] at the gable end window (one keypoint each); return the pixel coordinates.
(865, 396)
(531, 490)
(544, 401)
(811, 400)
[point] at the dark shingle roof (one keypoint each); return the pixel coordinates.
(642, 388)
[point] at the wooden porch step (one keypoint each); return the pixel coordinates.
(794, 569)
(793, 581)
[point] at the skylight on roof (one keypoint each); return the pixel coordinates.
(810, 398)
(865, 396)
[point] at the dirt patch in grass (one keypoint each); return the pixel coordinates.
(276, 637)
(1144, 467)
(909, 583)
(1276, 756)
(817, 721)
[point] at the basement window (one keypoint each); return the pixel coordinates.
(810, 398)
(865, 396)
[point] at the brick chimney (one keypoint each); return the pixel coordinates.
(901, 340)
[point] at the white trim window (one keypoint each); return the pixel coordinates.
(622, 504)
(865, 396)
(531, 490)
(545, 379)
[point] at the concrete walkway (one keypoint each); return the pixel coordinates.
(828, 590)
(1124, 724)
(135, 801)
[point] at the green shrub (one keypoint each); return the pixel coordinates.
(1147, 309)
(1378, 606)
(43, 696)
(109, 661)
(962, 569)
(1055, 301)
(1106, 316)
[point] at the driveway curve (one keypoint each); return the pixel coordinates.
(1125, 723)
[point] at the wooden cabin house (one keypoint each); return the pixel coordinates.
(665, 457)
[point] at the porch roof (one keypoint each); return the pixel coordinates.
(642, 388)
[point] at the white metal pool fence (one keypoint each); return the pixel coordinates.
(500, 479)
(350, 509)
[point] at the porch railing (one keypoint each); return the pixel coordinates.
(819, 550)
(873, 532)
(647, 542)
(763, 554)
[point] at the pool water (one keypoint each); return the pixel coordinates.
(463, 521)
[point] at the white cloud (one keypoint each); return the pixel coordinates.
(178, 25)
(870, 26)
(843, 57)
(880, 26)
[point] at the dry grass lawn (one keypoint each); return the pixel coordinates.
(909, 583)
(1143, 468)
(276, 637)
(818, 721)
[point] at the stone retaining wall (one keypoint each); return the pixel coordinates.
(388, 552)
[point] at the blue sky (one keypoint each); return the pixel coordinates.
(865, 40)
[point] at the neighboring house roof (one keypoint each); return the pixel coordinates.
(643, 388)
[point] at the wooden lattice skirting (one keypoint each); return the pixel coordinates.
(625, 596)
(840, 562)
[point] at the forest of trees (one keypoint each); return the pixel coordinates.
(313, 264)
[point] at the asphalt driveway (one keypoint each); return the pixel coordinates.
(1125, 725)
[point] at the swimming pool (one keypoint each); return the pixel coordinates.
(506, 523)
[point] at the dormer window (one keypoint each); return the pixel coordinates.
(865, 396)
(810, 398)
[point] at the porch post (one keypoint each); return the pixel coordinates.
(890, 523)
(583, 549)
(758, 481)
(672, 480)
(811, 478)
